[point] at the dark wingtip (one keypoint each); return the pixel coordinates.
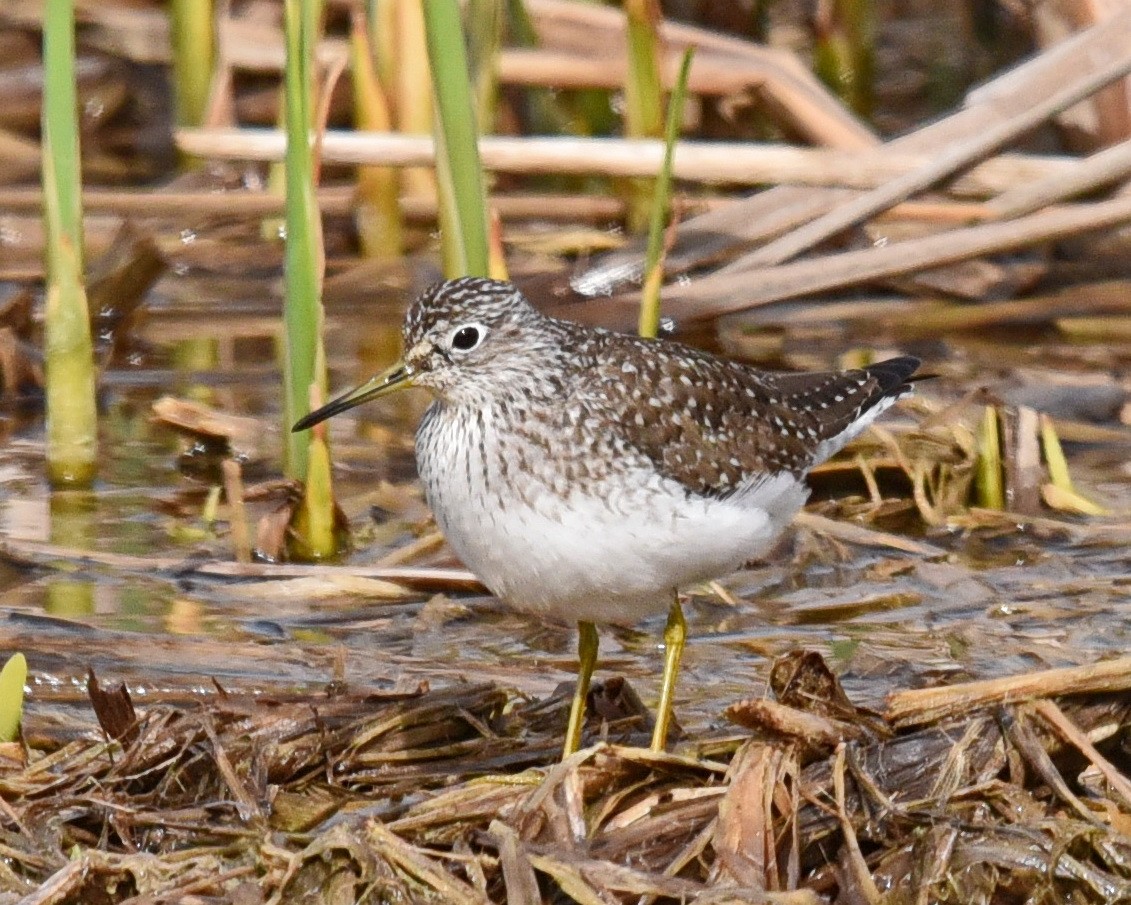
(893, 374)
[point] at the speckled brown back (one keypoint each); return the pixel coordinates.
(714, 425)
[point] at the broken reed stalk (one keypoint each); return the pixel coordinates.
(64, 557)
(1101, 169)
(953, 159)
(727, 293)
(335, 200)
(1006, 99)
(697, 161)
(463, 199)
(661, 208)
(927, 705)
(72, 417)
(239, 531)
(306, 456)
(1008, 469)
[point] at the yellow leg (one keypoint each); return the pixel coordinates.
(587, 657)
(675, 633)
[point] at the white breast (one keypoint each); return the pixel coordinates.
(613, 551)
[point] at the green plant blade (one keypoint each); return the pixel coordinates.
(643, 98)
(661, 204)
(304, 360)
(13, 677)
(990, 483)
(307, 454)
(1055, 459)
(462, 196)
(644, 106)
(844, 52)
(72, 420)
(1060, 493)
(313, 526)
(194, 50)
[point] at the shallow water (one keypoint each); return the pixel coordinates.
(997, 600)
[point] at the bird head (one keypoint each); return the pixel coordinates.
(463, 339)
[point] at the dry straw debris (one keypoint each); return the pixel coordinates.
(1011, 790)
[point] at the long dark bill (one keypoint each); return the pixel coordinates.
(396, 378)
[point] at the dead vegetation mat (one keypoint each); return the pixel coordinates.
(1009, 790)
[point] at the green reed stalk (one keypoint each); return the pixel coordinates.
(844, 51)
(1060, 493)
(643, 97)
(274, 228)
(194, 54)
(462, 196)
(72, 418)
(306, 457)
(380, 228)
(194, 57)
(13, 677)
(1055, 460)
(989, 482)
(661, 207)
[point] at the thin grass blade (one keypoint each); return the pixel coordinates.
(661, 207)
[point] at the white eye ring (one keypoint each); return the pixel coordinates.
(466, 337)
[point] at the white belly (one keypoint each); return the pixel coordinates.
(610, 552)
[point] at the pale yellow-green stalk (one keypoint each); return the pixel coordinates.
(72, 420)
(378, 213)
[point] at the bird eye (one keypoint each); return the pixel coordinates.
(464, 339)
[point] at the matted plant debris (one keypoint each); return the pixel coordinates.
(1019, 791)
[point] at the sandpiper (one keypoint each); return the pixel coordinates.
(585, 476)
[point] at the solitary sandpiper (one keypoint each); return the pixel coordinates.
(586, 476)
